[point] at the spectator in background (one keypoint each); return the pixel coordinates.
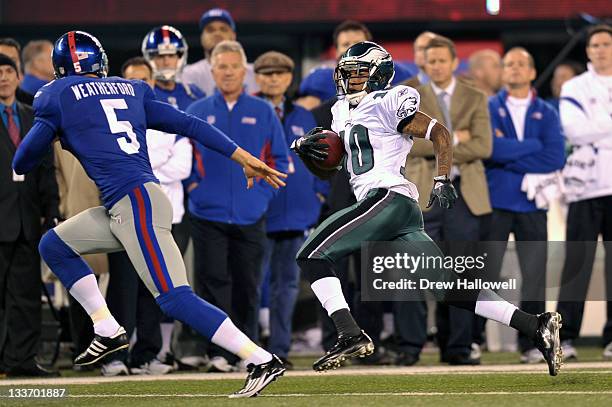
(76, 193)
(12, 49)
(227, 220)
(24, 201)
(586, 116)
(527, 150)
(463, 110)
(563, 72)
(420, 43)
(318, 86)
(294, 209)
(37, 66)
(165, 49)
(216, 25)
(485, 71)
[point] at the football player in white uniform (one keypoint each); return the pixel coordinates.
(376, 124)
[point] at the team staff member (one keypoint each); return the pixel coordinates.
(227, 221)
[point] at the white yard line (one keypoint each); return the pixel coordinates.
(420, 370)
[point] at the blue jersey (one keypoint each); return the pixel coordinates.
(181, 96)
(103, 122)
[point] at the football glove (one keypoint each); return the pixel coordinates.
(308, 146)
(444, 191)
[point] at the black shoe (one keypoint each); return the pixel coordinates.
(259, 377)
(547, 340)
(461, 360)
(406, 359)
(345, 348)
(31, 371)
(287, 363)
(377, 358)
(102, 346)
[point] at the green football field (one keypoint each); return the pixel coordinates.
(428, 384)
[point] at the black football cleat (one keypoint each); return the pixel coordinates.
(259, 376)
(345, 348)
(102, 346)
(547, 340)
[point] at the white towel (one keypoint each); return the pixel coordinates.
(579, 173)
(543, 188)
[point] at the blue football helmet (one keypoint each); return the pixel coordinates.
(79, 53)
(165, 40)
(363, 58)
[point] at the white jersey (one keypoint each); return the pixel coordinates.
(376, 150)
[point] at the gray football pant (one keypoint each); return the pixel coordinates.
(140, 223)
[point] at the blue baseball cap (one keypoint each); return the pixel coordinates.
(217, 14)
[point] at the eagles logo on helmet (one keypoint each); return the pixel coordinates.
(362, 57)
(165, 40)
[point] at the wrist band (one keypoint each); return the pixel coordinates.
(432, 123)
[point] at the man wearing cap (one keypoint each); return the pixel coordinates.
(216, 25)
(24, 201)
(294, 209)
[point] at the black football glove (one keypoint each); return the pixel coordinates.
(308, 146)
(444, 191)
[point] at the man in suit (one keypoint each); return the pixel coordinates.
(464, 111)
(11, 48)
(26, 203)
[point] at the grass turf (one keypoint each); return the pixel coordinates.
(321, 390)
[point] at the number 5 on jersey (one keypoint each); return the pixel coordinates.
(120, 126)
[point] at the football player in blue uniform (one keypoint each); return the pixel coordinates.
(166, 50)
(103, 121)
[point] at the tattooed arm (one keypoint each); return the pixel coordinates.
(422, 126)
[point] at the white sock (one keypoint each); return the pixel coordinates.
(232, 339)
(329, 292)
(87, 293)
(492, 306)
(166, 332)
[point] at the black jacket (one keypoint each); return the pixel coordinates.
(23, 205)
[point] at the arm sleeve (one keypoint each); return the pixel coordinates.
(178, 166)
(33, 148)
(552, 155)
(161, 116)
(37, 142)
(398, 105)
(579, 127)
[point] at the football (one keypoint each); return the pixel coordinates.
(335, 153)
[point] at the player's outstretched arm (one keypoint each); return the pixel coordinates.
(253, 167)
(161, 116)
(33, 148)
(423, 126)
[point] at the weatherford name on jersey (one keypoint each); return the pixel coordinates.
(95, 88)
(376, 150)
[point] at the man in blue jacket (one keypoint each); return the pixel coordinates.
(293, 211)
(527, 139)
(227, 222)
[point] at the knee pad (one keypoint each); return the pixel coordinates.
(64, 262)
(183, 304)
(315, 269)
